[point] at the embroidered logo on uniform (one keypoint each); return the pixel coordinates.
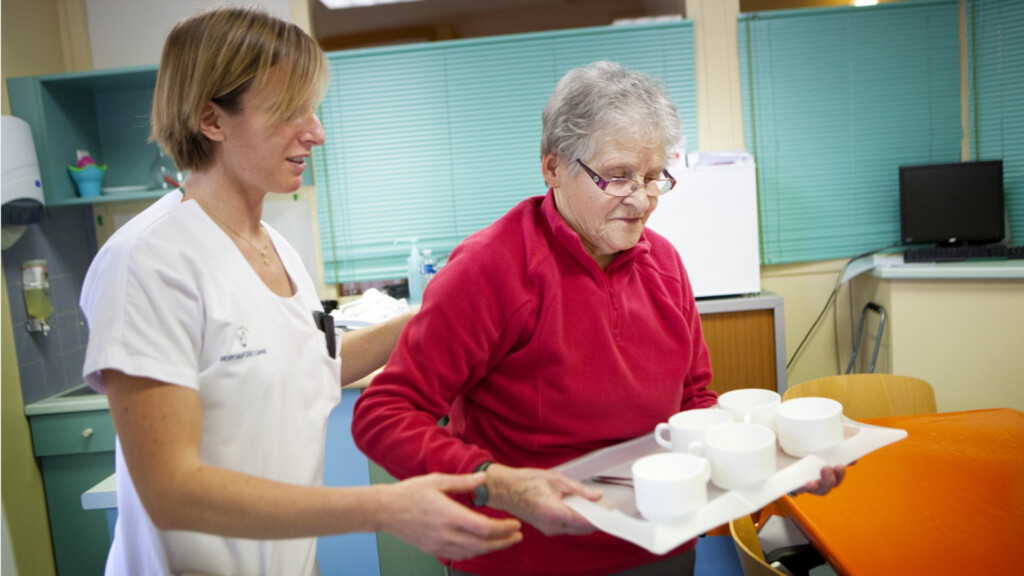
(242, 337)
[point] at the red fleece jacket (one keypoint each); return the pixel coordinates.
(538, 356)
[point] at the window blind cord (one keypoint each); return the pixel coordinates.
(831, 299)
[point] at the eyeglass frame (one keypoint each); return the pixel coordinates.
(603, 184)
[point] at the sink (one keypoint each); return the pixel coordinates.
(81, 398)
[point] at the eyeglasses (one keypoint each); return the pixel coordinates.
(622, 187)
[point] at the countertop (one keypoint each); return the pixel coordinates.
(102, 495)
(763, 300)
(81, 398)
(969, 270)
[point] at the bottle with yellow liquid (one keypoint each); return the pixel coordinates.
(35, 285)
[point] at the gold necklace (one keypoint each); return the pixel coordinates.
(263, 251)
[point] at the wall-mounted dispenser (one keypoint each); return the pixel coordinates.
(35, 285)
(21, 190)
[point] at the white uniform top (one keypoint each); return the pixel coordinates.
(170, 297)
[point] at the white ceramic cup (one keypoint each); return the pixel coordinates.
(670, 485)
(740, 453)
(752, 405)
(809, 425)
(684, 432)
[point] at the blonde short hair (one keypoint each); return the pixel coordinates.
(217, 55)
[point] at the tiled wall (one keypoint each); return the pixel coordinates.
(66, 240)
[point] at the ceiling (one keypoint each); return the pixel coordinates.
(430, 20)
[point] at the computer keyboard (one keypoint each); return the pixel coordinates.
(961, 253)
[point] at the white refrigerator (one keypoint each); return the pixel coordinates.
(711, 219)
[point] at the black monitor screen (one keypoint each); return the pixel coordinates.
(959, 203)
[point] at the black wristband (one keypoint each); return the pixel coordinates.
(480, 493)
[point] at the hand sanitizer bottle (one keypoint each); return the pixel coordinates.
(415, 272)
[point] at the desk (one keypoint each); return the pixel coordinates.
(949, 499)
(954, 324)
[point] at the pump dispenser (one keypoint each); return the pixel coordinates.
(415, 273)
(35, 284)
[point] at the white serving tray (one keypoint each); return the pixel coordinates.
(616, 512)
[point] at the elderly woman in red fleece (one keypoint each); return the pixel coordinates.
(564, 327)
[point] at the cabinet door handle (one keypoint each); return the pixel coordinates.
(87, 433)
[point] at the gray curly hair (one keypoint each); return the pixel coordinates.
(604, 99)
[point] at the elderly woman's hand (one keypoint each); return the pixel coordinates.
(419, 511)
(831, 476)
(535, 496)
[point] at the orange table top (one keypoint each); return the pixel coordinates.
(949, 499)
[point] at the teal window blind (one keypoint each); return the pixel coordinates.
(997, 97)
(436, 141)
(834, 101)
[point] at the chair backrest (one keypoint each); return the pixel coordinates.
(871, 395)
(748, 547)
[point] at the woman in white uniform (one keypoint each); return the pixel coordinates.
(203, 334)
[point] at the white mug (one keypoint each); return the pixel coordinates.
(740, 453)
(752, 405)
(670, 485)
(809, 425)
(685, 430)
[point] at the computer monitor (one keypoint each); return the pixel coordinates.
(952, 204)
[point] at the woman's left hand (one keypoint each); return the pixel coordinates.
(831, 476)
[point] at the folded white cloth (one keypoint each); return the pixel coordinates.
(373, 307)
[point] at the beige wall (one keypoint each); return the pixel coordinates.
(963, 336)
(719, 107)
(31, 39)
(24, 501)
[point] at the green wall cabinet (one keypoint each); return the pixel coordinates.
(76, 451)
(105, 112)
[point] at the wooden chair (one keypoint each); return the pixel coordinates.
(871, 395)
(748, 547)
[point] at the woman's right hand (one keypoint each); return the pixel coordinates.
(420, 512)
(536, 496)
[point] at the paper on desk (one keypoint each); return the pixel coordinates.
(698, 160)
(616, 512)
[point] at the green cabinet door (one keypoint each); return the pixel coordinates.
(76, 451)
(397, 558)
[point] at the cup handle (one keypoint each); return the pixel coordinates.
(707, 469)
(660, 438)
